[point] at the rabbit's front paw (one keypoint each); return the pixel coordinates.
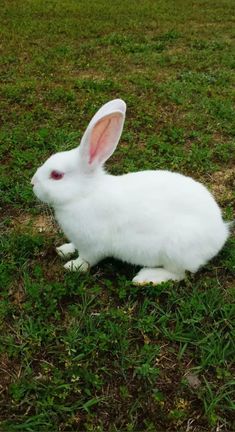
(77, 265)
(66, 250)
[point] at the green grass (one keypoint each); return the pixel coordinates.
(92, 352)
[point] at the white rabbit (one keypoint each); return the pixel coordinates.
(160, 220)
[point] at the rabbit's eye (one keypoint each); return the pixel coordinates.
(56, 175)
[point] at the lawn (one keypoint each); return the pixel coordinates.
(93, 352)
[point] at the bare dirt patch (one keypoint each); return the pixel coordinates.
(222, 185)
(41, 223)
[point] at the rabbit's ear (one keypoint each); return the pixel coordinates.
(103, 133)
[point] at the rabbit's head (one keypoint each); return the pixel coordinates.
(61, 178)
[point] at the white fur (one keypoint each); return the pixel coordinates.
(66, 250)
(147, 218)
(156, 276)
(77, 265)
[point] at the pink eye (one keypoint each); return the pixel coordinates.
(56, 175)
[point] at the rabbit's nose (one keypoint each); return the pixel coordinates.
(33, 180)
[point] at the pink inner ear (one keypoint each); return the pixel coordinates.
(104, 137)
